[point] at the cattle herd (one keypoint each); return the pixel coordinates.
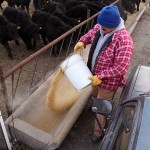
(50, 20)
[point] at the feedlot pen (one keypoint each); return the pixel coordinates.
(18, 83)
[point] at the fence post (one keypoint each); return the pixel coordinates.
(4, 92)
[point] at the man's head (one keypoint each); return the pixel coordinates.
(109, 18)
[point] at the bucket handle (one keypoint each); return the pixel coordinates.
(65, 68)
(69, 66)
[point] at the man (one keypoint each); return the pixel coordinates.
(109, 57)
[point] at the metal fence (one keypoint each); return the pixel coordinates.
(23, 79)
(20, 81)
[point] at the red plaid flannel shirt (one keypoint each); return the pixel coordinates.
(113, 62)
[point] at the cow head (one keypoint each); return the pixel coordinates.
(12, 32)
(63, 29)
(32, 31)
(40, 17)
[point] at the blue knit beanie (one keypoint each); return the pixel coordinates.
(109, 17)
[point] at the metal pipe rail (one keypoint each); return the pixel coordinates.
(14, 74)
(40, 51)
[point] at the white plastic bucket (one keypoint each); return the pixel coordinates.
(76, 71)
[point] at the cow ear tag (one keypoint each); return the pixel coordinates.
(18, 27)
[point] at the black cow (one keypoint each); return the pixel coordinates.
(128, 6)
(121, 10)
(58, 9)
(90, 4)
(79, 9)
(137, 3)
(51, 27)
(131, 5)
(79, 12)
(28, 30)
(8, 32)
(23, 3)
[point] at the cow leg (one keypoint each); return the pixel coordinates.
(23, 7)
(56, 49)
(28, 45)
(44, 39)
(37, 4)
(34, 41)
(27, 8)
(34, 44)
(43, 35)
(1, 7)
(8, 49)
(66, 43)
(27, 42)
(137, 4)
(17, 42)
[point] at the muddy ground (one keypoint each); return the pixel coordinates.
(79, 136)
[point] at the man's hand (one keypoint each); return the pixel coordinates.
(79, 46)
(95, 80)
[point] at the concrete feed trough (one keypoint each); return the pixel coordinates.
(37, 126)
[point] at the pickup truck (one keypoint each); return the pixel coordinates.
(129, 128)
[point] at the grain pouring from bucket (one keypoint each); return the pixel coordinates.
(61, 94)
(68, 84)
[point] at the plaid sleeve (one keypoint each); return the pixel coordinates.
(89, 36)
(121, 60)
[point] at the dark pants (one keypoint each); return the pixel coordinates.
(37, 4)
(101, 93)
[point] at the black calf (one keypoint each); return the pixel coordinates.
(28, 30)
(8, 32)
(51, 27)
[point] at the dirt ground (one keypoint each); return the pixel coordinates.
(19, 52)
(79, 136)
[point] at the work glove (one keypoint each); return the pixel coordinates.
(79, 46)
(95, 80)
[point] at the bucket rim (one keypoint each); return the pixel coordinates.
(67, 63)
